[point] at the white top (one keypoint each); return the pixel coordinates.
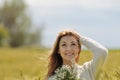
(89, 69)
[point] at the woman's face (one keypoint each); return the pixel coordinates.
(68, 48)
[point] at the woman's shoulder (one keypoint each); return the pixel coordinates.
(84, 66)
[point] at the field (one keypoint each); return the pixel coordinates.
(31, 64)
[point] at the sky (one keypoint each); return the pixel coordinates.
(97, 19)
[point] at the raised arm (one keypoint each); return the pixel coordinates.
(99, 52)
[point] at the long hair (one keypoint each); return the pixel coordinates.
(55, 60)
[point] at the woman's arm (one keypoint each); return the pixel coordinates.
(99, 52)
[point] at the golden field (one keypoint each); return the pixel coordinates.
(31, 64)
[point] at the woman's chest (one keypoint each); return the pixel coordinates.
(84, 74)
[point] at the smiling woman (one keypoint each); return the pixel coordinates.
(66, 51)
(69, 48)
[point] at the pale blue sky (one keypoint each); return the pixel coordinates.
(98, 19)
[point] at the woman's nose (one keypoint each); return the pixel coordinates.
(68, 48)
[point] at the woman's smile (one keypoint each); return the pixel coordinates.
(69, 54)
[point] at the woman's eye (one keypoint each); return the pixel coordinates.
(63, 44)
(73, 44)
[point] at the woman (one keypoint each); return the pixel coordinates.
(66, 51)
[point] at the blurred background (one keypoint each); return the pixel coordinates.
(37, 22)
(28, 29)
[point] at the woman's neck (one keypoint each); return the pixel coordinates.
(65, 62)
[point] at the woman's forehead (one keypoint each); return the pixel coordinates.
(68, 38)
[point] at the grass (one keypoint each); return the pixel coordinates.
(31, 64)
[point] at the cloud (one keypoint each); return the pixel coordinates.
(106, 4)
(98, 18)
(59, 7)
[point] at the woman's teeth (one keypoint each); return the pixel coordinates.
(69, 54)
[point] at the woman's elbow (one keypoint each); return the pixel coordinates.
(104, 52)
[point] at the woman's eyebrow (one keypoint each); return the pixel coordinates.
(63, 42)
(73, 41)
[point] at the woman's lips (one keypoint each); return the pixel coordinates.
(69, 54)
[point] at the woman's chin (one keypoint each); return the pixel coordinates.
(69, 59)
